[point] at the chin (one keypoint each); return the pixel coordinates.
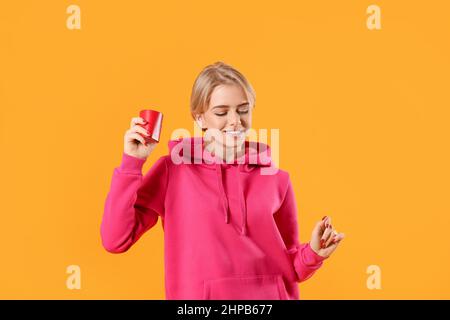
(234, 144)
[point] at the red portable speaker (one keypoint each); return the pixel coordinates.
(153, 125)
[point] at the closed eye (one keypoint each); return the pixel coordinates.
(224, 113)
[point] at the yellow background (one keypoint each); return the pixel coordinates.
(363, 118)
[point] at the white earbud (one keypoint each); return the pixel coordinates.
(199, 122)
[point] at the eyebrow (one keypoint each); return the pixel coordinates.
(225, 106)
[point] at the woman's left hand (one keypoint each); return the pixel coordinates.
(325, 239)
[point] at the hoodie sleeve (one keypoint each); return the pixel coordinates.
(305, 261)
(133, 203)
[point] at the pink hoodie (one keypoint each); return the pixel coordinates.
(230, 229)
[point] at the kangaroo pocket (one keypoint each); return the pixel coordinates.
(256, 287)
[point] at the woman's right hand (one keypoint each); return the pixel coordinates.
(134, 143)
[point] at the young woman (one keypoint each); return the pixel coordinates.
(230, 223)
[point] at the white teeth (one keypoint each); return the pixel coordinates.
(234, 132)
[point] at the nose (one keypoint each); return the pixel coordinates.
(234, 120)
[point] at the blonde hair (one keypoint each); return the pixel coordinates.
(212, 76)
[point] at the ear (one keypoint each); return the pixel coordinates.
(199, 121)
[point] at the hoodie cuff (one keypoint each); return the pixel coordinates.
(131, 164)
(310, 257)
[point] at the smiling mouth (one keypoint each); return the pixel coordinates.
(234, 132)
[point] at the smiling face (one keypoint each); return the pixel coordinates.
(230, 112)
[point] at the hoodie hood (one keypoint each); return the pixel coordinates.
(192, 150)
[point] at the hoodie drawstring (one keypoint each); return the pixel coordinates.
(242, 206)
(222, 191)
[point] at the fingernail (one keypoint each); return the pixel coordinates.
(324, 218)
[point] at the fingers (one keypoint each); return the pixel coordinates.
(338, 238)
(322, 223)
(334, 244)
(316, 235)
(331, 237)
(137, 137)
(324, 233)
(326, 221)
(325, 237)
(137, 120)
(318, 229)
(139, 129)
